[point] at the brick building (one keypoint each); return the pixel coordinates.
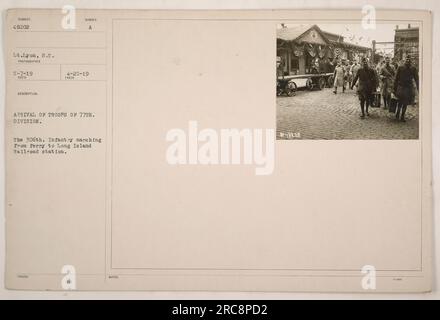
(406, 42)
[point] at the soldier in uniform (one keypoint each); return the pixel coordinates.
(367, 85)
(353, 70)
(403, 87)
(347, 68)
(387, 74)
(338, 76)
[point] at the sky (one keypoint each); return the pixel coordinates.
(355, 33)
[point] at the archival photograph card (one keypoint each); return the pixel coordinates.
(278, 150)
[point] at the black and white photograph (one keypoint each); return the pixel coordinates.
(346, 81)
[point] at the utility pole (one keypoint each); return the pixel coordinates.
(374, 51)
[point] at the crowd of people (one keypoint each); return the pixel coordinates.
(392, 81)
(387, 79)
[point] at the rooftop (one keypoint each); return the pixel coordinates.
(293, 33)
(289, 34)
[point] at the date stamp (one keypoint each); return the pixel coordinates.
(288, 135)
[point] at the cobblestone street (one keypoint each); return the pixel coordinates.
(324, 115)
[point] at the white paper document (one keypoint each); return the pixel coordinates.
(277, 150)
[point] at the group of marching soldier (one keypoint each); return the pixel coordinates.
(395, 81)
